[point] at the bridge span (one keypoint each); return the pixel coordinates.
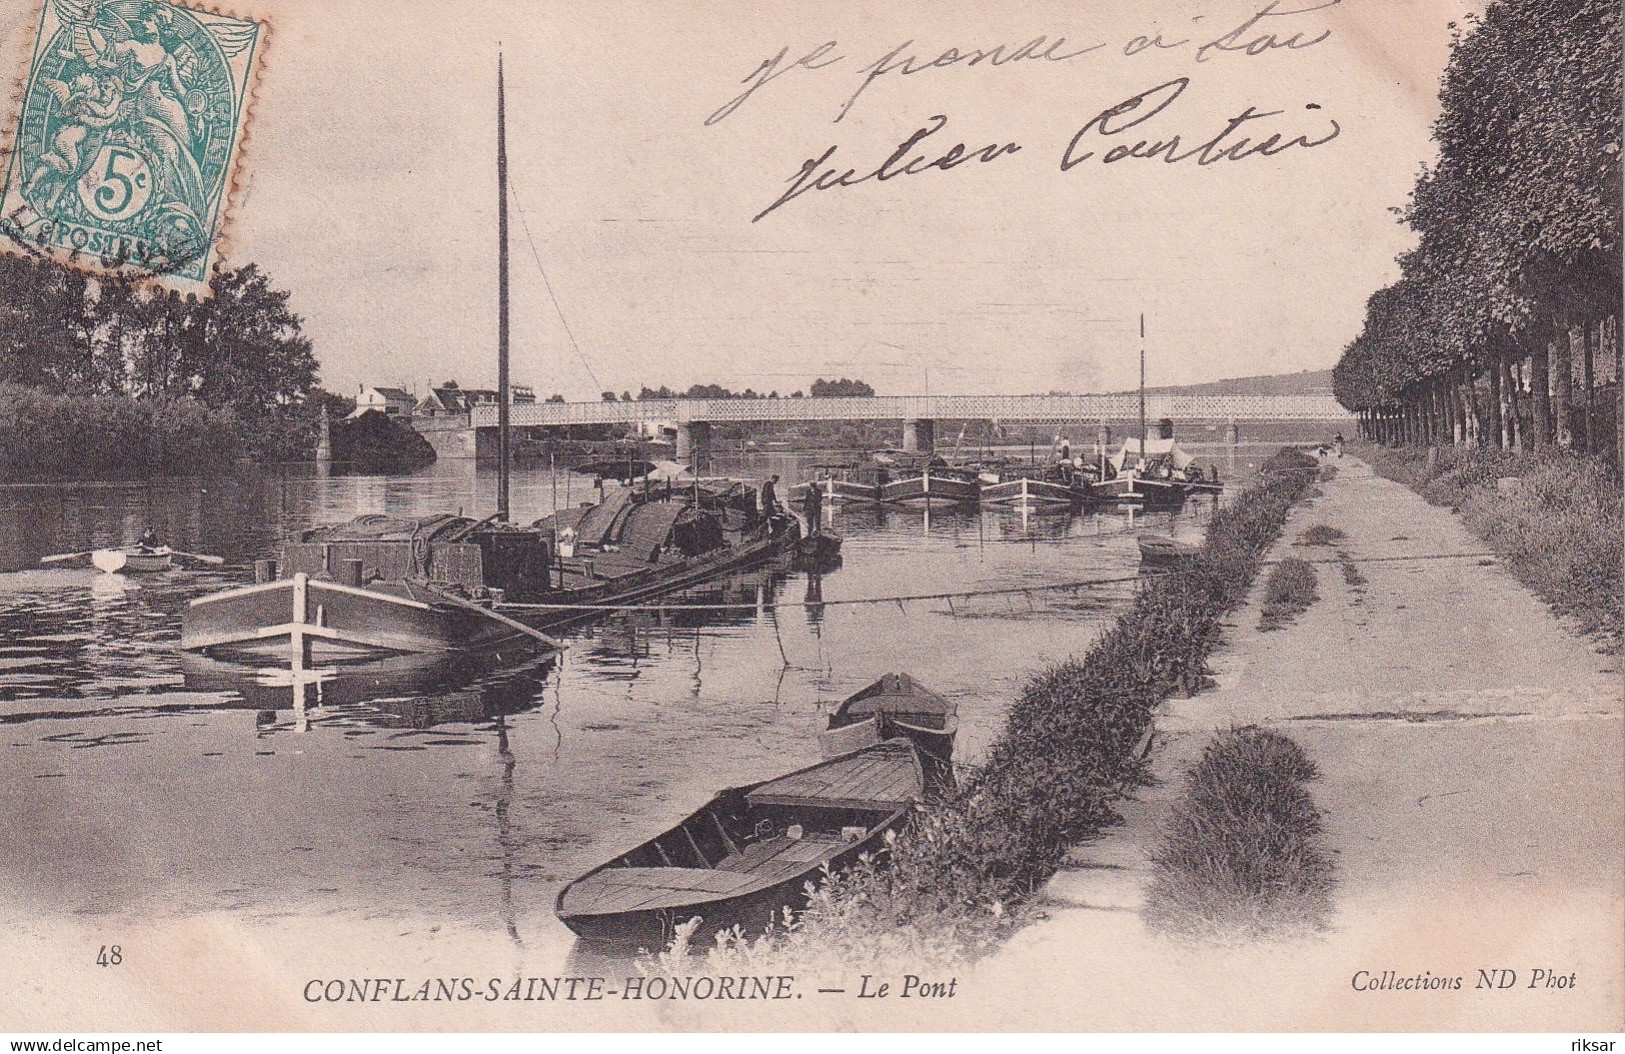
(918, 413)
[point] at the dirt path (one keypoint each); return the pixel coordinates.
(1470, 751)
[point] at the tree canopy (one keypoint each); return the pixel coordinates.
(241, 348)
(1519, 218)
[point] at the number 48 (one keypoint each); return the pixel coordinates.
(110, 955)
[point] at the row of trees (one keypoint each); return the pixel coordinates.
(820, 389)
(239, 354)
(1503, 328)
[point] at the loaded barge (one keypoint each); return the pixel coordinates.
(379, 584)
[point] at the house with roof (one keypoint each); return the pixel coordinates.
(450, 398)
(392, 402)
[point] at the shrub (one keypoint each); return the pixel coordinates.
(49, 436)
(377, 443)
(1290, 589)
(1240, 857)
(1320, 534)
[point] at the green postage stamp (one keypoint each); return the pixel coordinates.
(129, 130)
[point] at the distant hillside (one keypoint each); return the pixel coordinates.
(1309, 382)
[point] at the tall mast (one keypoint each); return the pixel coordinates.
(503, 425)
(1142, 386)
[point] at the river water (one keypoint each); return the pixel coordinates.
(138, 785)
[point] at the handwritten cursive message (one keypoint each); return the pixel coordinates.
(1270, 28)
(1107, 131)
(1153, 124)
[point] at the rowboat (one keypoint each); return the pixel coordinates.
(750, 852)
(133, 559)
(897, 706)
(818, 548)
(1161, 550)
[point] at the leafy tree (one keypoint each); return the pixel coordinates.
(839, 389)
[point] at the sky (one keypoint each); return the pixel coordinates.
(367, 187)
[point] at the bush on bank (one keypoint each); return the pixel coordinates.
(1241, 858)
(48, 436)
(1559, 529)
(1073, 745)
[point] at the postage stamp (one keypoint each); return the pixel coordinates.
(131, 122)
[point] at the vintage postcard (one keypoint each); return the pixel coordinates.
(527, 517)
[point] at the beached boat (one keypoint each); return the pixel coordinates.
(897, 706)
(750, 852)
(133, 559)
(1160, 550)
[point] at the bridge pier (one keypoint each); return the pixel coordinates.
(694, 445)
(324, 444)
(919, 435)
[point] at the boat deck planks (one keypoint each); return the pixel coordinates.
(643, 888)
(760, 865)
(865, 781)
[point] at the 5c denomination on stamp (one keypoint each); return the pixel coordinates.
(131, 123)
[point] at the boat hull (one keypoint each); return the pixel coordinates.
(132, 561)
(821, 546)
(334, 623)
(838, 491)
(709, 867)
(927, 487)
(1029, 491)
(1132, 490)
(753, 913)
(1165, 552)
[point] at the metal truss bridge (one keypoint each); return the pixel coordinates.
(1036, 408)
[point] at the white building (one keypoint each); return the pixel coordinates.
(392, 402)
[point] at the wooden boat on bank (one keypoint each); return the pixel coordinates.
(1162, 551)
(749, 853)
(897, 706)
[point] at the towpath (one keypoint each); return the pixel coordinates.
(1470, 754)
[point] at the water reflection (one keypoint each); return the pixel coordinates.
(400, 691)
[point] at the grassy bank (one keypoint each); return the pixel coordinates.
(1073, 745)
(1558, 528)
(1241, 858)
